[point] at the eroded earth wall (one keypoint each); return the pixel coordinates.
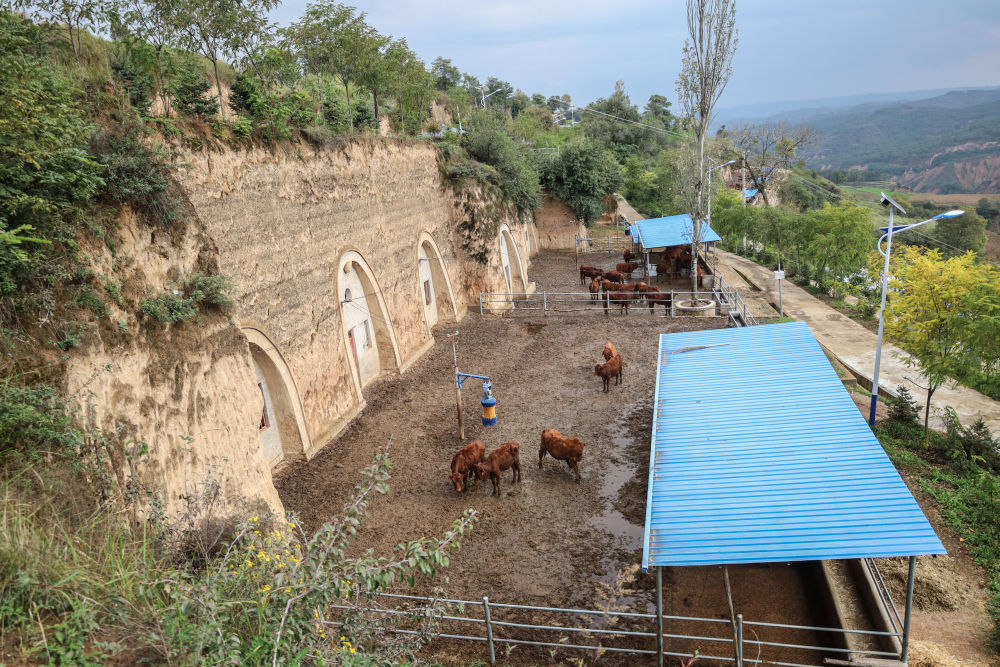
(293, 229)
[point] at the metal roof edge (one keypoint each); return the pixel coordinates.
(652, 457)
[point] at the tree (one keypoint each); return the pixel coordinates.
(75, 15)
(146, 25)
(582, 176)
(615, 123)
(954, 236)
(658, 110)
(706, 67)
(932, 302)
(990, 210)
(765, 149)
(331, 38)
(217, 28)
(445, 75)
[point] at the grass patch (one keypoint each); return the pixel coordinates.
(966, 489)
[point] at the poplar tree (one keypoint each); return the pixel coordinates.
(705, 70)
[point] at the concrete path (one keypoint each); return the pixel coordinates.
(854, 346)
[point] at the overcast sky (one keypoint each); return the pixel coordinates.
(788, 49)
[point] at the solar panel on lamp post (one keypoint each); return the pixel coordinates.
(892, 206)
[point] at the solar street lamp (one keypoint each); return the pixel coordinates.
(483, 99)
(893, 207)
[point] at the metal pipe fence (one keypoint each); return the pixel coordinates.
(608, 243)
(572, 302)
(730, 300)
(501, 624)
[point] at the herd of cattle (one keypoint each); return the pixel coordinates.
(610, 288)
(471, 464)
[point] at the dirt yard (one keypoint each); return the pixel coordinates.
(547, 541)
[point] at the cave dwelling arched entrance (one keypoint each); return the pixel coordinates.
(436, 293)
(368, 332)
(281, 425)
(510, 260)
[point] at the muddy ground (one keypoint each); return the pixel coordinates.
(547, 541)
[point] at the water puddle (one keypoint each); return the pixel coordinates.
(617, 472)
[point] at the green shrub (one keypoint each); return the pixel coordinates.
(169, 307)
(902, 408)
(133, 173)
(337, 116)
(88, 298)
(363, 117)
(137, 84)
(190, 89)
(487, 141)
(175, 305)
(33, 422)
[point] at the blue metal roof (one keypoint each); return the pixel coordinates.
(670, 231)
(747, 194)
(759, 454)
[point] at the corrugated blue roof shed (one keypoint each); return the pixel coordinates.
(670, 231)
(759, 454)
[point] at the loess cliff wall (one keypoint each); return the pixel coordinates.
(324, 249)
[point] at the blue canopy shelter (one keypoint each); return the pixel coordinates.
(759, 454)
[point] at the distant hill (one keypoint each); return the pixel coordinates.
(943, 143)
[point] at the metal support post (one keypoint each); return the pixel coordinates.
(545, 304)
(909, 608)
(659, 617)
(458, 391)
(671, 302)
(480, 304)
(489, 629)
(607, 303)
(739, 640)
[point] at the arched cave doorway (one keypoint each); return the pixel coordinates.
(282, 426)
(368, 331)
(436, 294)
(510, 260)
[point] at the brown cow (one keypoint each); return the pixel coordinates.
(505, 456)
(608, 286)
(664, 269)
(614, 276)
(595, 289)
(654, 296)
(609, 351)
(628, 255)
(561, 448)
(627, 268)
(589, 272)
(611, 369)
(622, 298)
(463, 464)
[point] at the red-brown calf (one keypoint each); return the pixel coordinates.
(595, 289)
(505, 456)
(612, 369)
(463, 464)
(628, 255)
(561, 448)
(609, 351)
(627, 268)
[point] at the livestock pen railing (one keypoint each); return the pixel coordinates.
(608, 243)
(504, 626)
(730, 300)
(569, 302)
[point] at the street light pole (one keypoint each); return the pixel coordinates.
(887, 201)
(482, 89)
(708, 217)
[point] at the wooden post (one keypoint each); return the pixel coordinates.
(458, 391)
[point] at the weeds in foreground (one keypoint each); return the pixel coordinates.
(81, 592)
